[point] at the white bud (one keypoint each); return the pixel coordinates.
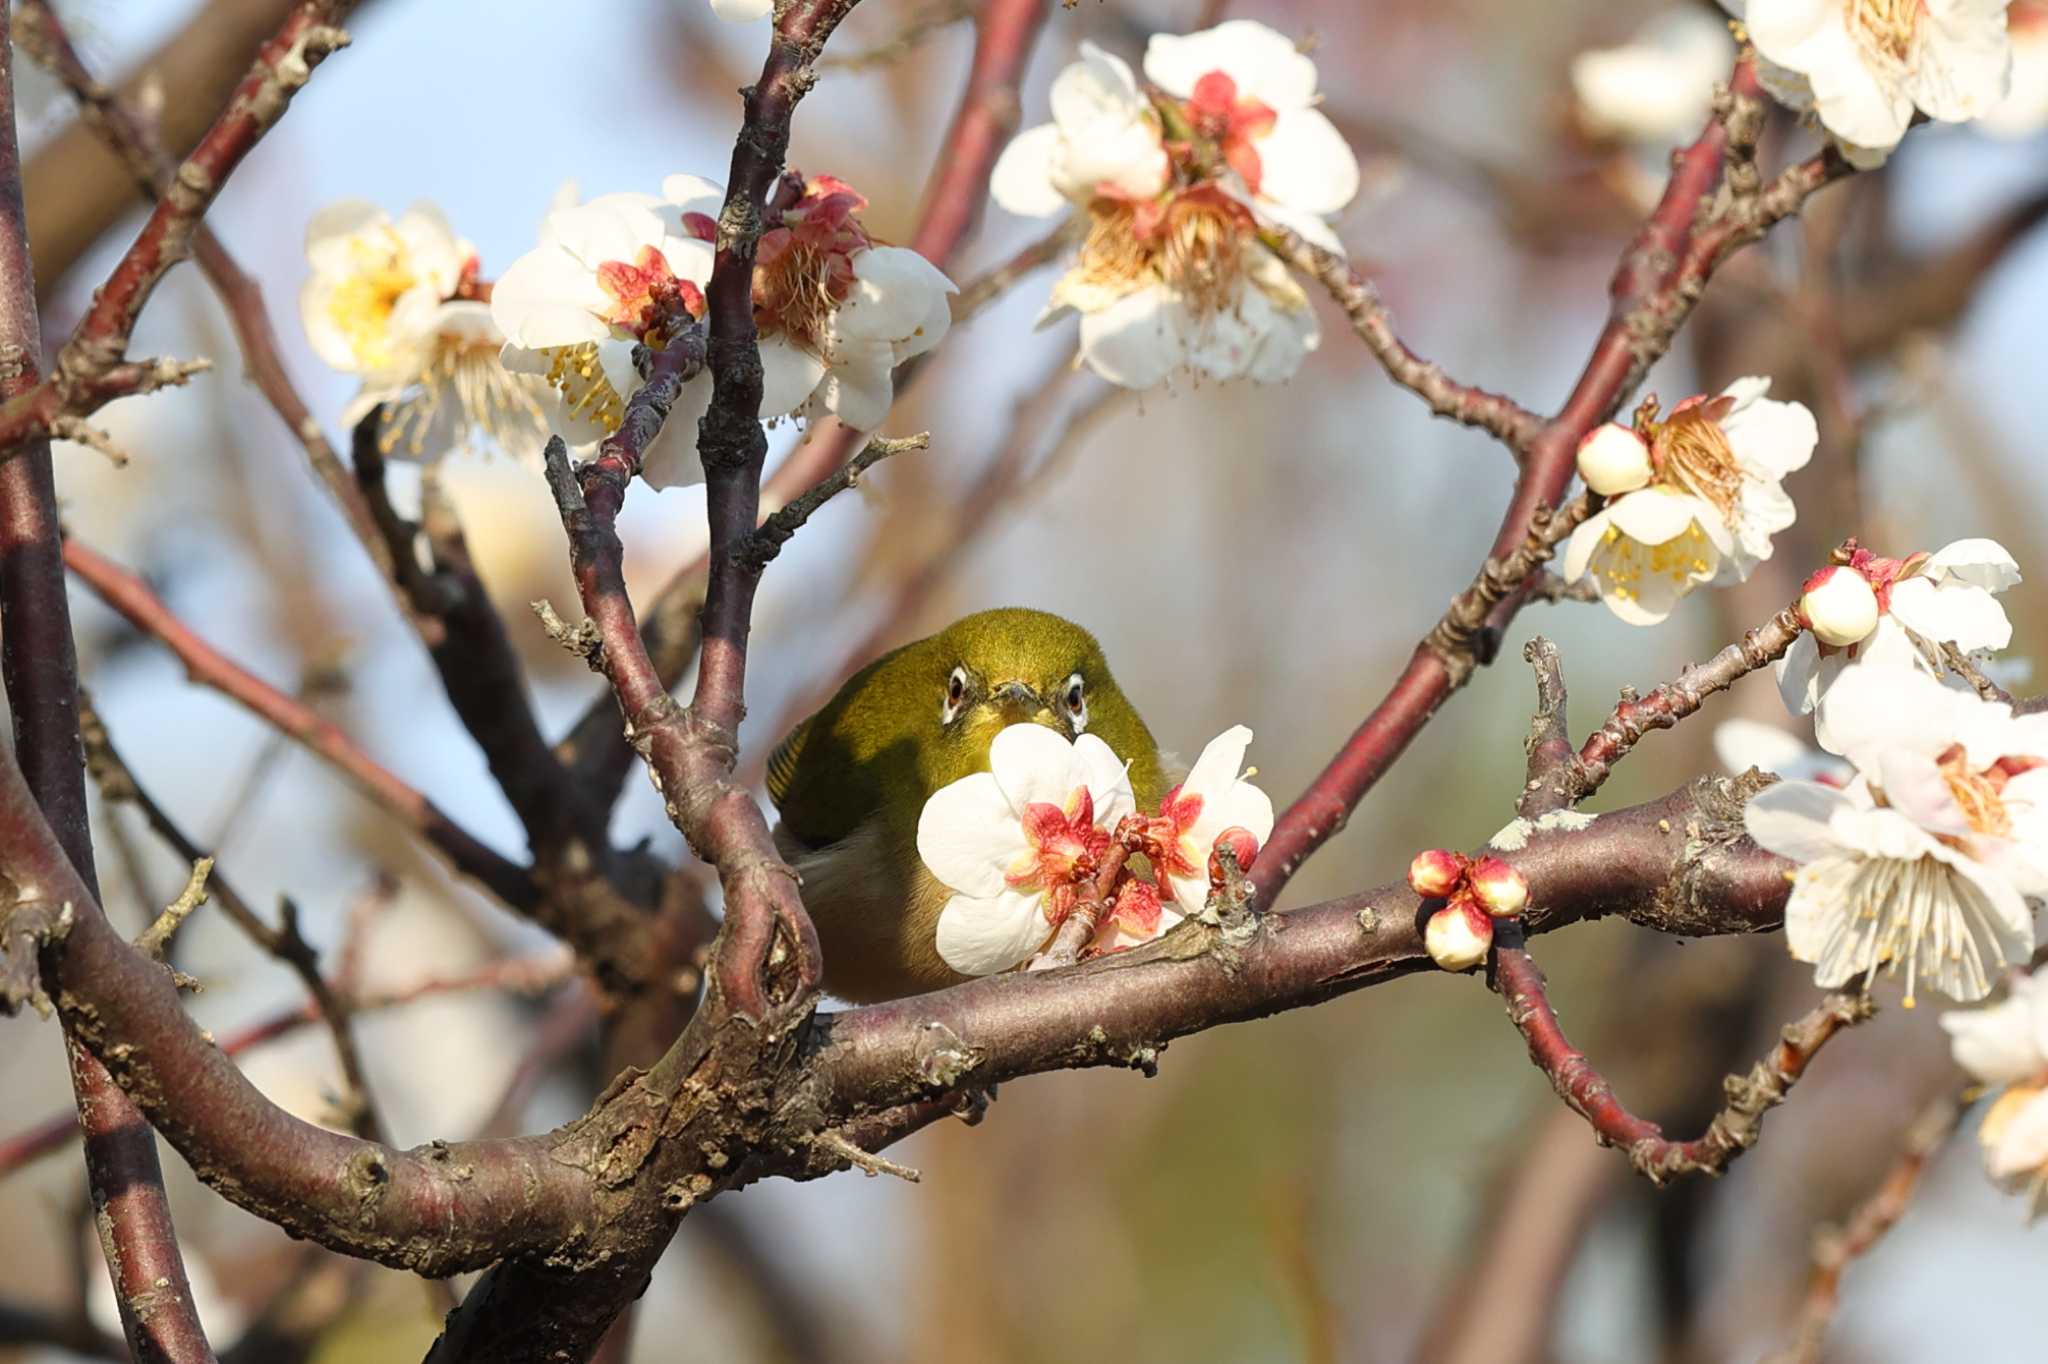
(1458, 936)
(1614, 460)
(1840, 607)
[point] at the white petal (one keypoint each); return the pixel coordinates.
(1099, 84)
(1022, 181)
(1033, 765)
(611, 227)
(1978, 562)
(1136, 341)
(1770, 438)
(2022, 1148)
(1655, 515)
(1914, 786)
(788, 375)
(1955, 612)
(892, 293)
(1799, 674)
(693, 194)
(859, 388)
(1741, 744)
(1107, 778)
(673, 462)
(1305, 163)
(1795, 819)
(968, 836)
(328, 233)
(1996, 1045)
(546, 298)
(1872, 709)
(1266, 65)
(1964, 66)
(1578, 551)
(982, 937)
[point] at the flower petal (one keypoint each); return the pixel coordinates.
(1306, 164)
(1033, 764)
(979, 937)
(1136, 341)
(1022, 181)
(968, 836)
(1266, 64)
(1795, 819)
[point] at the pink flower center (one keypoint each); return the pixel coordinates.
(648, 300)
(1233, 124)
(1065, 852)
(803, 267)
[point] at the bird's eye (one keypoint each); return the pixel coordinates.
(956, 693)
(1077, 703)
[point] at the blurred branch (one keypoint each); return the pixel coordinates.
(92, 367)
(142, 608)
(39, 663)
(117, 784)
(933, 18)
(76, 191)
(1834, 1250)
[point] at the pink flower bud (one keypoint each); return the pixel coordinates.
(1459, 935)
(1839, 606)
(1437, 872)
(1503, 892)
(1614, 460)
(1240, 842)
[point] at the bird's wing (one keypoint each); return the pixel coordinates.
(782, 762)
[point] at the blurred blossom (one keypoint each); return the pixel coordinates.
(1742, 744)
(1924, 601)
(742, 11)
(2006, 1046)
(2024, 110)
(1658, 87)
(1019, 844)
(397, 303)
(1934, 857)
(1715, 501)
(1863, 67)
(1174, 183)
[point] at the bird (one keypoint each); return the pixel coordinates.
(850, 781)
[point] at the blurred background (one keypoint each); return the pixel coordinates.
(1369, 1180)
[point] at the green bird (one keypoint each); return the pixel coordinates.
(851, 781)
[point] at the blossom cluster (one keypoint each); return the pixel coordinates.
(560, 339)
(1049, 830)
(1474, 892)
(1173, 180)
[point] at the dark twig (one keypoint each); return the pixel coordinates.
(1834, 1250)
(767, 540)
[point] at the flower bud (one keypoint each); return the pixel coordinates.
(1503, 892)
(1459, 935)
(1436, 872)
(1241, 843)
(1839, 606)
(1614, 460)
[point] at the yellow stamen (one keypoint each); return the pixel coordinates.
(1886, 30)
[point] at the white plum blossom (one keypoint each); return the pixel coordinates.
(1173, 184)
(1864, 67)
(2006, 1046)
(1252, 91)
(2024, 110)
(395, 302)
(1215, 800)
(1658, 87)
(1019, 844)
(609, 275)
(1714, 502)
(1931, 861)
(1925, 602)
(837, 312)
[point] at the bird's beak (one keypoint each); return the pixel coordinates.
(1019, 704)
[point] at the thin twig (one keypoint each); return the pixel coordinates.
(768, 538)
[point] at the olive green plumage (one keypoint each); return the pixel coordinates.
(851, 781)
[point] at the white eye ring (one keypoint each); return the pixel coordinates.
(956, 696)
(1077, 702)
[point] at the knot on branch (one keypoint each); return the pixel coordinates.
(27, 925)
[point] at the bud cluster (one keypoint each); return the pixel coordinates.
(1477, 892)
